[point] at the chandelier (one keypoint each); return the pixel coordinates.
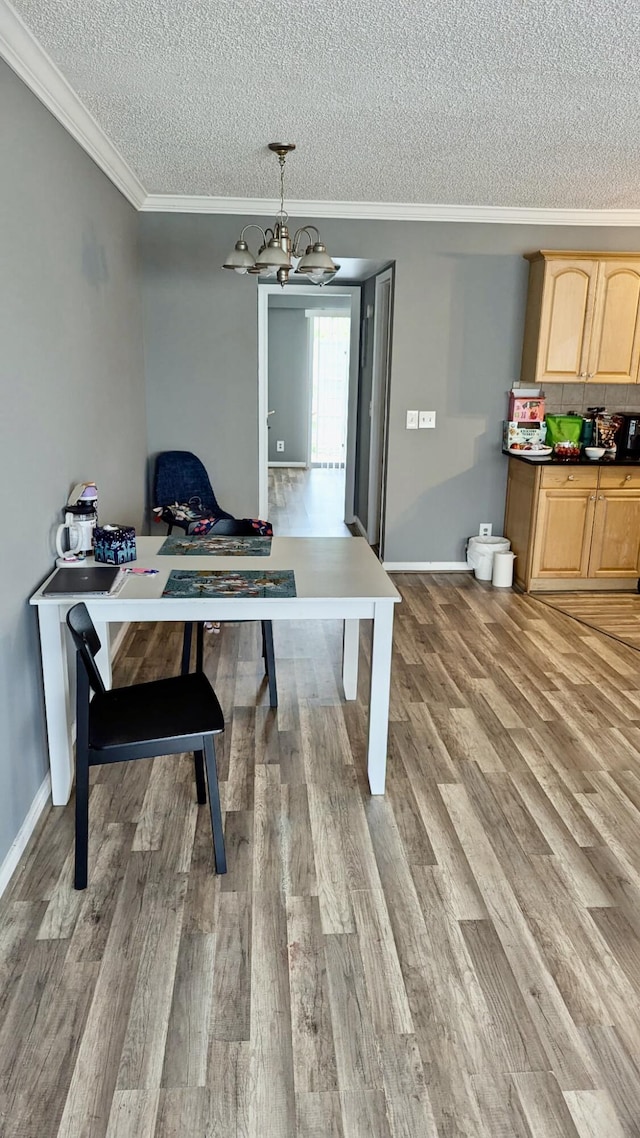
(278, 252)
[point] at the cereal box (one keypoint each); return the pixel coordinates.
(517, 435)
(529, 410)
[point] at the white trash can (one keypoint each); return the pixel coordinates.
(502, 576)
(480, 553)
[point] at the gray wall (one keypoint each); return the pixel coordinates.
(71, 390)
(460, 294)
(201, 346)
(289, 384)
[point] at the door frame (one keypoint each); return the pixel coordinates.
(353, 292)
(378, 422)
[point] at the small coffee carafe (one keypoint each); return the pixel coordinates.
(80, 520)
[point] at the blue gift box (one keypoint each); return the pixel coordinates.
(114, 545)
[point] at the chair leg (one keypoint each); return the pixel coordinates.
(269, 661)
(186, 649)
(214, 804)
(199, 645)
(82, 820)
(201, 786)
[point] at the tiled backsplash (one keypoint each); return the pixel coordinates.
(578, 396)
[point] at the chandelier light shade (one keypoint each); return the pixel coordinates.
(277, 252)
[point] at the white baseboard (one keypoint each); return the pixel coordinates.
(302, 465)
(426, 566)
(360, 528)
(19, 844)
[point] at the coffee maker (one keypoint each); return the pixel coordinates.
(80, 520)
(629, 438)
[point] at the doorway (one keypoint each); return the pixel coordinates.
(329, 341)
(308, 341)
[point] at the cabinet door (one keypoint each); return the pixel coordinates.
(615, 550)
(614, 351)
(565, 321)
(563, 533)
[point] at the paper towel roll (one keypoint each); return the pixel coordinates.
(503, 570)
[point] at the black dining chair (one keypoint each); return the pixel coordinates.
(180, 477)
(163, 717)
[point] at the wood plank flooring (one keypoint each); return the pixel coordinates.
(615, 614)
(307, 502)
(458, 959)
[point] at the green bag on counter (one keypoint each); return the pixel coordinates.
(563, 429)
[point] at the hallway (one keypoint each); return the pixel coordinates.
(307, 503)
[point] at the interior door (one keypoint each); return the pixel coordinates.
(378, 409)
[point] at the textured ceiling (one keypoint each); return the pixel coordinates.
(440, 101)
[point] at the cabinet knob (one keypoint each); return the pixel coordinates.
(590, 374)
(601, 497)
(583, 375)
(571, 477)
(592, 498)
(627, 477)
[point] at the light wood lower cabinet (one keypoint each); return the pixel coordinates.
(564, 524)
(573, 526)
(615, 547)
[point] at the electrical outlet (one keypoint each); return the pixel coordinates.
(426, 419)
(412, 420)
(485, 529)
(280, 444)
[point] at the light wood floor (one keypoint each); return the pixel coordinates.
(616, 614)
(459, 958)
(303, 503)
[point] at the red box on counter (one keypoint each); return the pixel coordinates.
(526, 409)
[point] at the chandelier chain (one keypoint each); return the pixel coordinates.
(282, 162)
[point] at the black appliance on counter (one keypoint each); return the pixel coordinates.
(628, 438)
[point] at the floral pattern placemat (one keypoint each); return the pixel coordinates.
(216, 546)
(230, 583)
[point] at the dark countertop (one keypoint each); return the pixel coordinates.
(552, 460)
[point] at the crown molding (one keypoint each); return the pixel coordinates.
(21, 50)
(391, 211)
(23, 53)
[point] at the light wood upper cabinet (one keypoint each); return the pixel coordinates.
(582, 320)
(614, 351)
(565, 324)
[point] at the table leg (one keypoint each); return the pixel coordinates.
(57, 701)
(379, 695)
(350, 650)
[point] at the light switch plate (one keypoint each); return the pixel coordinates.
(427, 419)
(412, 420)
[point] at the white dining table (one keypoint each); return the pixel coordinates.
(335, 578)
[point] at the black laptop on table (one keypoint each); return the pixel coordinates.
(92, 581)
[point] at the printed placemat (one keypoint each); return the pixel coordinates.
(230, 583)
(216, 546)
